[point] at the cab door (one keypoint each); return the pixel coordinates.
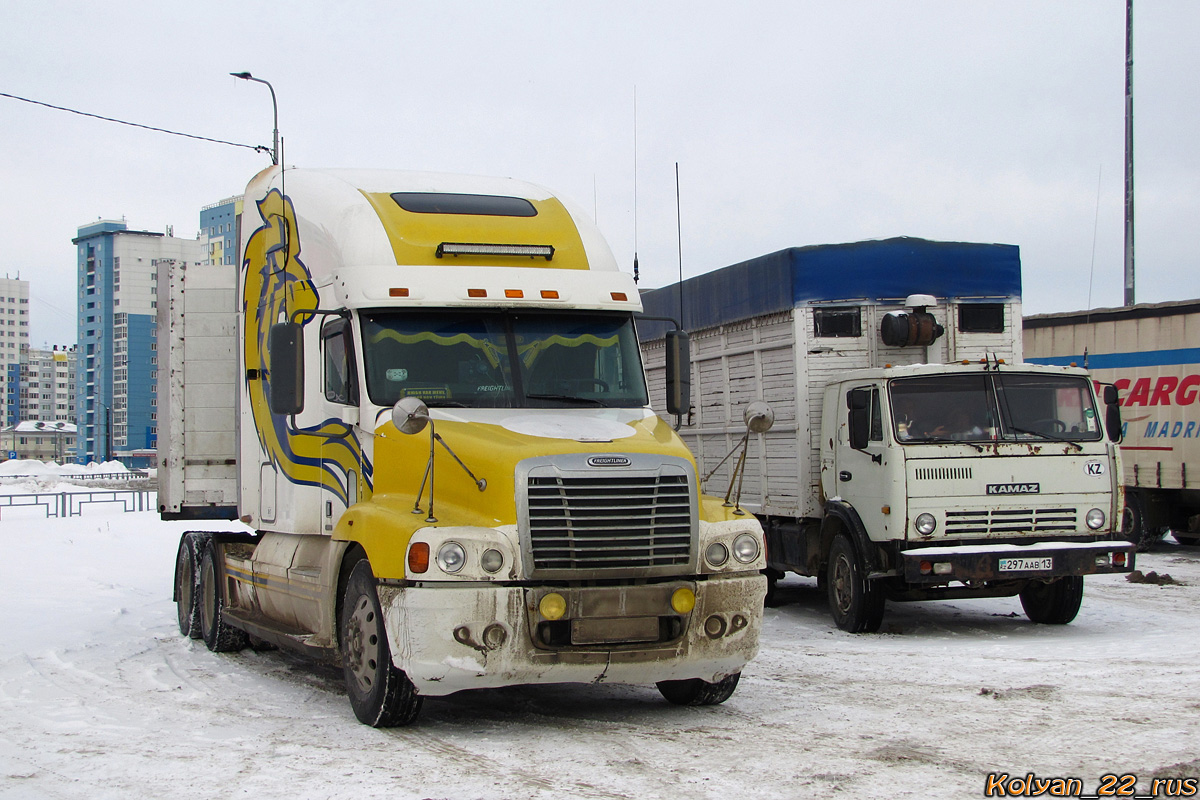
(861, 475)
(340, 458)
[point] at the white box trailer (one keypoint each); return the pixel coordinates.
(1020, 500)
(1151, 353)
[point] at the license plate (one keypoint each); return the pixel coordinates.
(1044, 564)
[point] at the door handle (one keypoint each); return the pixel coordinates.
(844, 475)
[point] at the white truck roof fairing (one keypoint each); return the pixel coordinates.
(347, 219)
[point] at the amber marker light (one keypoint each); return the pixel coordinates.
(397, 292)
(515, 294)
(683, 600)
(476, 292)
(620, 297)
(549, 294)
(418, 557)
(552, 606)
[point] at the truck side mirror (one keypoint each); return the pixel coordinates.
(1112, 413)
(858, 401)
(285, 354)
(679, 373)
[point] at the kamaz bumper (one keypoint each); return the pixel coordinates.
(1001, 562)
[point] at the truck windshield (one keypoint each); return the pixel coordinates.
(503, 359)
(993, 406)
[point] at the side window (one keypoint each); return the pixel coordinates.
(876, 417)
(845, 321)
(981, 318)
(339, 374)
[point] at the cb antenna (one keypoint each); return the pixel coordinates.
(635, 220)
(679, 239)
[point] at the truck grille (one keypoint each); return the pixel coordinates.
(1010, 520)
(609, 522)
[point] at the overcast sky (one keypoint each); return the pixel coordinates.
(793, 123)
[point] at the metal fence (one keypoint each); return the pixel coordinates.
(72, 504)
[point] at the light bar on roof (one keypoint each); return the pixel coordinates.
(545, 251)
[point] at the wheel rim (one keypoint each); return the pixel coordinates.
(362, 643)
(842, 584)
(208, 593)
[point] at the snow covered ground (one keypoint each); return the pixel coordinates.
(100, 697)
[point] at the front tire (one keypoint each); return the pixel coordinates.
(697, 692)
(1054, 603)
(219, 635)
(381, 695)
(857, 605)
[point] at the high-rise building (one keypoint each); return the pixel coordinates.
(117, 414)
(218, 229)
(47, 386)
(14, 339)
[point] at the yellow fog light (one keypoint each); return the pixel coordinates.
(552, 606)
(683, 600)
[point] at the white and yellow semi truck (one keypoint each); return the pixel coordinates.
(424, 397)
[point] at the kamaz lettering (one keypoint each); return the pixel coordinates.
(1014, 488)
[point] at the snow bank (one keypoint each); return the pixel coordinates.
(100, 697)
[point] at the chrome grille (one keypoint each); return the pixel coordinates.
(1010, 520)
(609, 522)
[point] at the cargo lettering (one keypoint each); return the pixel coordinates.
(1172, 430)
(1164, 391)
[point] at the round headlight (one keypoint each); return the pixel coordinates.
(1095, 519)
(716, 554)
(745, 548)
(925, 524)
(491, 560)
(451, 557)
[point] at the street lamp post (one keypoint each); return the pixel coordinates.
(246, 76)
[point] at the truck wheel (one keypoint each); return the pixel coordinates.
(1054, 603)
(219, 635)
(381, 695)
(697, 692)
(187, 583)
(1133, 521)
(856, 605)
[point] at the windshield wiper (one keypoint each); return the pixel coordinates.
(944, 440)
(1049, 436)
(567, 398)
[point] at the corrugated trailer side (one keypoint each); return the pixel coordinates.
(1149, 351)
(197, 391)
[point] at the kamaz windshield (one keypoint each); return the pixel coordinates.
(988, 407)
(503, 359)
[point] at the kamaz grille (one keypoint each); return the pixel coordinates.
(606, 523)
(1010, 520)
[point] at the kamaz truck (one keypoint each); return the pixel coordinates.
(423, 396)
(912, 455)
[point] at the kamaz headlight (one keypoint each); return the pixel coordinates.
(716, 554)
(925, 524)
(745, 548)
(451, 557)
(1095, 519)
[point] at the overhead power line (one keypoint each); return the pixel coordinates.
(256, 147)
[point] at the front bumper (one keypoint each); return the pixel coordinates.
(452, 637)
(1001, 562)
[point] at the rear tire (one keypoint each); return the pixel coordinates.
(856, 604)
(1054, 603)
(219, 635)
(697, 692)
(187, 583)
(381, 695)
